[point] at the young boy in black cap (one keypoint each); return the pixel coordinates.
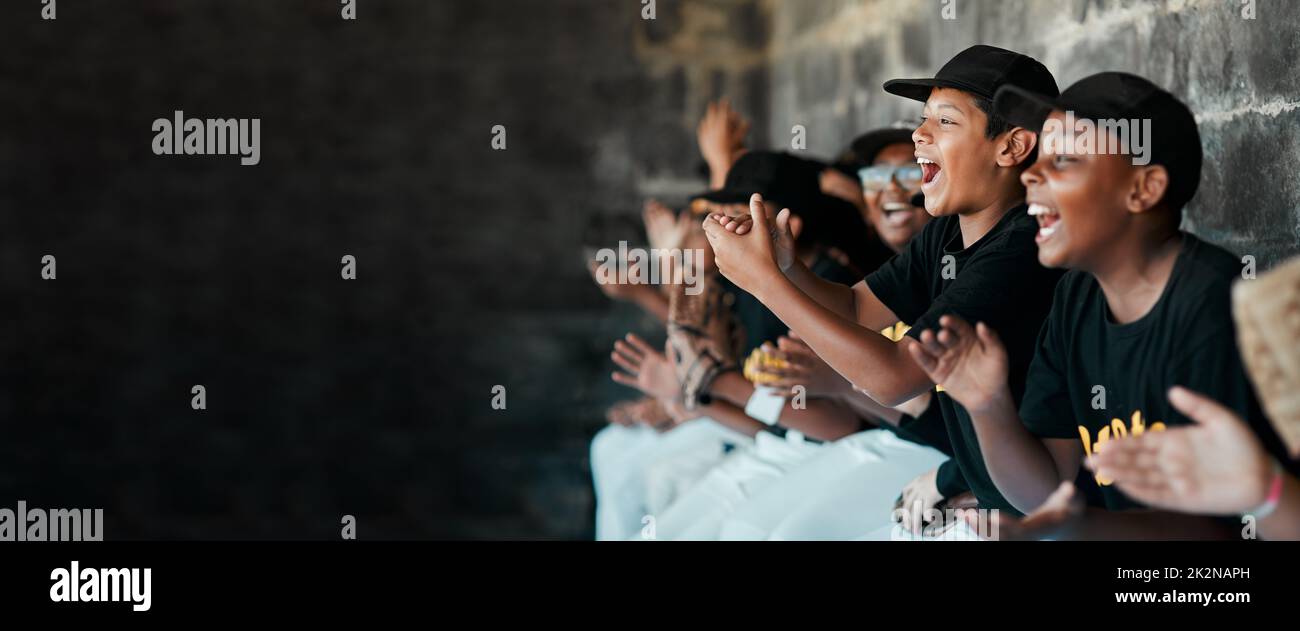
(1145, 306)
(976, 259)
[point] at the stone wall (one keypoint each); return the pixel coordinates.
(829, 58)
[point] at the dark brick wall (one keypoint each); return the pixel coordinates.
(326, 396)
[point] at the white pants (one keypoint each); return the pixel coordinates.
(622, 456)
(671, 475)
(699, 513)
(847, 490)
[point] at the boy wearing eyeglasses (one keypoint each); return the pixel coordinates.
(891, 181)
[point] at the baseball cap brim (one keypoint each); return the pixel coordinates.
(869, 145)
(1024, 108)
(726, 196)
(919, 89)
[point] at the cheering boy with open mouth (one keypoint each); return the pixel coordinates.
(1145, 307)
(976, 259)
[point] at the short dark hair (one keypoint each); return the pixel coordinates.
(997, 126)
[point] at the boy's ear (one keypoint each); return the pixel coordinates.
(1149, 187)
(1017, 146)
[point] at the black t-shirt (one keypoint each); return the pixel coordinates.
(926, 429)
(1086, 361)
(874, 255)
(998, 281)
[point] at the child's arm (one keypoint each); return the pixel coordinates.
(730, 416)
(869, 409)
(1216, 466)
(971, 365)
(651, 300)
(804, 369)
(1098, 524)
(1064, 516)
(649, 297)
(857, 303)
(842, 300)
(823, 419)
(877, 365)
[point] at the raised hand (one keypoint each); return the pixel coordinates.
(665, 229)
(1214, 467)
(750, 253)
(648, 370)
(721, 137)
(623, 292)
(970, 363)
(920, 495)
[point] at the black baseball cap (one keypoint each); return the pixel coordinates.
(980, 70)
(779, 177)
(864, 149)
(1175, 140)
(795, 183)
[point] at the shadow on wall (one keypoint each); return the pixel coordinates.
(326, 397)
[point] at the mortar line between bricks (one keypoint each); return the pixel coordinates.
(1272, 107)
